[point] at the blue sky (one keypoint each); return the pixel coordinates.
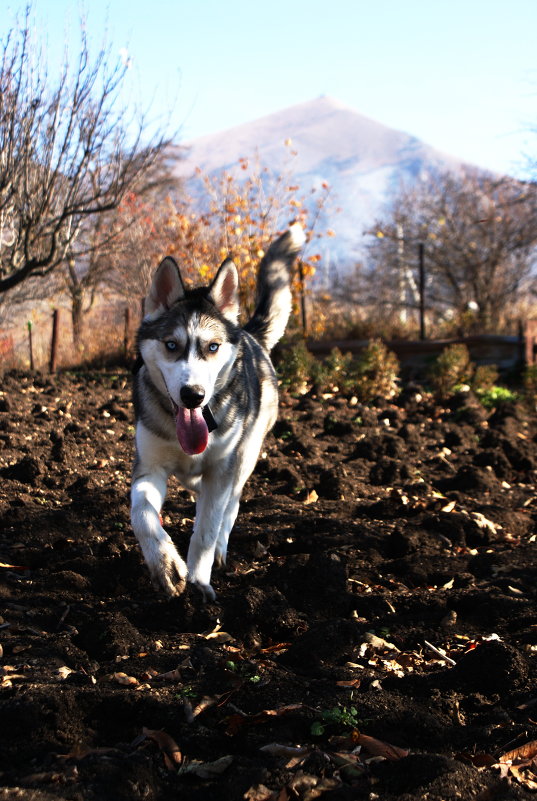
(460, 75)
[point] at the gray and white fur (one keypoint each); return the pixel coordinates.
(205, 396)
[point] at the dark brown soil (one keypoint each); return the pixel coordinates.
(365, 533)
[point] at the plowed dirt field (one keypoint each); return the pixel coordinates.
(375, 631)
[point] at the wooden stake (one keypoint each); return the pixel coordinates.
(126, 331)
(30, 346)
(54, 341)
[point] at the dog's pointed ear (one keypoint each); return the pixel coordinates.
(224, 291)
(167, 287)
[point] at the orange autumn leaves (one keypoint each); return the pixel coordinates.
(237, 215)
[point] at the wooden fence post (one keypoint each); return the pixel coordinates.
(54, 340)
(126, 331)
(30, 346)
(303, 297)
(421, 265)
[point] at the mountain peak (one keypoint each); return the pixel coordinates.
(362, 160)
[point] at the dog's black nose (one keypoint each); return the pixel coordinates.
(192, 396)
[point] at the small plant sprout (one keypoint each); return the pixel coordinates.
(337, 717)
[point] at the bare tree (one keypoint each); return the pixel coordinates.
(116, 251)
(480, 237)
(69, 152)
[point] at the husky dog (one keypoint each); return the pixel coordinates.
(205, 396)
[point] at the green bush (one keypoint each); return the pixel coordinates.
(485, 378)
(375, 373)
(332, 372)
(451, 370)
(495, 396)
(295, 367)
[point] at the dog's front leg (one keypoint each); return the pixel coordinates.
(166, 567)
(211, 505)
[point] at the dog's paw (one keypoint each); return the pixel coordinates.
(200, 564)
(168, 571)
(206, 590)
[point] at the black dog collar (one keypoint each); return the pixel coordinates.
(209, 419)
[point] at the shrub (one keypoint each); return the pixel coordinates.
(334, 372)
(375, 373)
(451, 370)
(295, 367)
(495, 396)
(485, 378)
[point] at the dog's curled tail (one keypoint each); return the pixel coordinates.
(274, 299)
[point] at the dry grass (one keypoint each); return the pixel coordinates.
(103, 341)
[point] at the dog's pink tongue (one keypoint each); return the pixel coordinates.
(192, 431)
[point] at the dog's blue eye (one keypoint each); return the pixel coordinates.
(213, 347)
(170, 345)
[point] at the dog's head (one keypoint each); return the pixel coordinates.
(188, 343)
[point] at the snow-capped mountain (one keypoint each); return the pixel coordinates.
(363, 161)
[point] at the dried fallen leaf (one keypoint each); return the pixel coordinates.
(258, 792)
(521, 763)
(122, 678)
(308, 787)
(206, 702)
(221, 637)
(379, 748)
(484, 522)
(350, 765)
(311, 497)
(524, 753)
(526, 775)
(170, 675)
(378, 643)
(168, 746)
(281, 646)
(207, 770)
(63, 672)
(217, 634)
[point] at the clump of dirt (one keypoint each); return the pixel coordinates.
(374, 636)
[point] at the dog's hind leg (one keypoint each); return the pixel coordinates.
(166, 567)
